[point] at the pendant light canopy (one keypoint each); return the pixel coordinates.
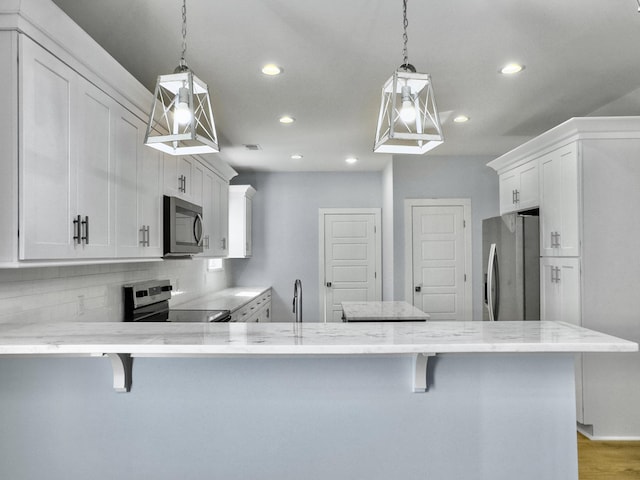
(408, 121)
(181, 120)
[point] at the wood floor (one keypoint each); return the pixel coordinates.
(600, 460)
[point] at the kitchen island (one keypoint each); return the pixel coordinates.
(382, 311)
(285, 401)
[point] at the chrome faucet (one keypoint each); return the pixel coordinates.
(297, 300)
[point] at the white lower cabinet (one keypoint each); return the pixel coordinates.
(256, 311)
(560, 302)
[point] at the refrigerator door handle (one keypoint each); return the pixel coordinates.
(490, 283)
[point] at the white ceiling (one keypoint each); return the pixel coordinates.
(580, 55)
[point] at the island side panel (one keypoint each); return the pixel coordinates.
(487, 416)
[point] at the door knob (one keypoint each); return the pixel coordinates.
(328, 284)
(418, 289)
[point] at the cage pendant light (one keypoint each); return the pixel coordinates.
(408, 121)
(181, 119)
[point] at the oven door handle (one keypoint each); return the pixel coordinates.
(198, 225)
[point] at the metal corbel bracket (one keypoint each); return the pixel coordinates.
(420, 363)
(122, 365)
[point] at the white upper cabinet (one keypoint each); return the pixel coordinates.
(519, 188)
(220, 237)
(77, 184)
(183, 177)
(66, 194)
(138, 190)
(240, 221)
(559, 205)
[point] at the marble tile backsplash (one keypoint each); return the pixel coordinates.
(93, 293)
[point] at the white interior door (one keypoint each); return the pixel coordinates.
(350, 257)
(440, 276)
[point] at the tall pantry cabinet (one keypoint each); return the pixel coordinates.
(589, 184)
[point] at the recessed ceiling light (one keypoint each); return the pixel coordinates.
(461, 119)
(511, 68)
(287, 119)
(351, 160)
(296, 156)
(272, 69)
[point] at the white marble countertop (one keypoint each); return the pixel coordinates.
(228, 299)
(382, 311)
(192, 339)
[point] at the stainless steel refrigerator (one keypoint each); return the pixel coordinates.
(511, 264)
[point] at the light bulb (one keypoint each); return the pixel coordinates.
(182, 112)
(408, 110)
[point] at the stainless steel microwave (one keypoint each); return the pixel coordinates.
(183, 228)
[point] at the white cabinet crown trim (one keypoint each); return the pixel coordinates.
(573, 129)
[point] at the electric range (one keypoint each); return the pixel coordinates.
(148, 301)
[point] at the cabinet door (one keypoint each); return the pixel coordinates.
(527, 195)
(220, 231)
(248, 227)
(95, 139)
(560, 289)
(208, 214)
(224, 217)
(172, 180)
(509, 183)
(48, 200)
(560, 300)
(519, 188)
(150, 169)
(138, 189)
(559, 203)
(195, 182)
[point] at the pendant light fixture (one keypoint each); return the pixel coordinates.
(181, 120)
(408, 121)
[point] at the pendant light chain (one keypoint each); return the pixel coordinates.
(183, 62)
(405, 37)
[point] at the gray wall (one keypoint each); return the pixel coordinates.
(488, 417)
(285, 226)
(285, 231)
(444, 177)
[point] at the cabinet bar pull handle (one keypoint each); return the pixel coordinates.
(85, 225)
(557, 274)
(76, 230)
(513, 196)
(198, 229)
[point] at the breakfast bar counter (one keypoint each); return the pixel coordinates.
(285, 401)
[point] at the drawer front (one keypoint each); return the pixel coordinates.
(254, 311)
